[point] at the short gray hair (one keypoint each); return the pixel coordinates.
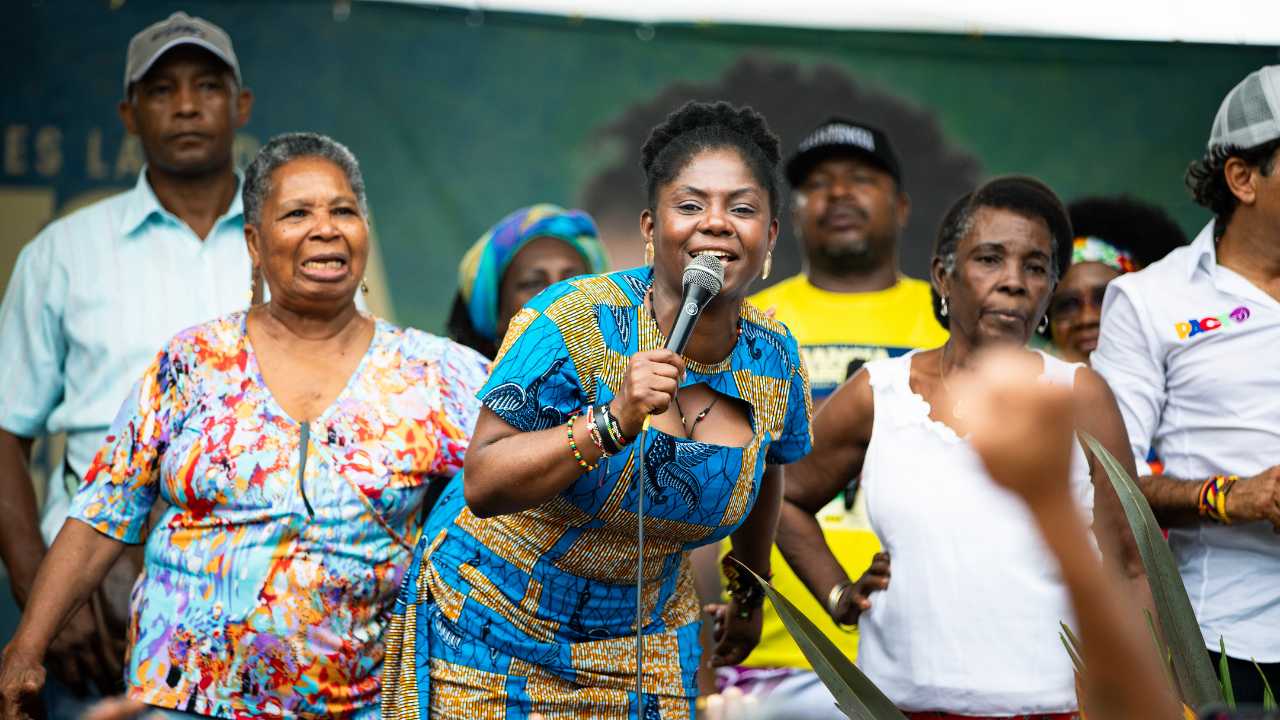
(283, 149)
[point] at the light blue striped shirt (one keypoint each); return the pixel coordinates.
(92, 299)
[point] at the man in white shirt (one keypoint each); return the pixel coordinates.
(1189, 346)
(96, 294)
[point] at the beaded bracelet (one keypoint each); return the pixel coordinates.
(574, 446)
(745, 590)
(1213, 498)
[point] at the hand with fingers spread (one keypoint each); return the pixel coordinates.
(855, 599)
(651, 381)
(736, 632)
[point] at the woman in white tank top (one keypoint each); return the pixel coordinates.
(960, 617)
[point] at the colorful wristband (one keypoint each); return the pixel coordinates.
(574, 446)
(1212, 502)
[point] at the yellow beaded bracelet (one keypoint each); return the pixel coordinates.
(577, 455)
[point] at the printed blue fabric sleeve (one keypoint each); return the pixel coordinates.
(797, 437)
(534, 385)
(122, 483)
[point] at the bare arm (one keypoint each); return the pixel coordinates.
(1097, 414)
(737, 627)
(21, 545)
(753, 540)
(71, 571)
(1123, 675)
(841, 432)
(508, 470)
(1176, 503)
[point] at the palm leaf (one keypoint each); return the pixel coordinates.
(1075, 658)
(855, 694)
(1224, 672)
(1072, 644)
(1191, 665)
(1268, 697)
(1166, 661)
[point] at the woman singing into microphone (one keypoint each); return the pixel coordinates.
(521, 597)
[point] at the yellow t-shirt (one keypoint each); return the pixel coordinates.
(837, 332)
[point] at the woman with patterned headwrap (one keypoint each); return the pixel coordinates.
(1113, 236)
(527, 251)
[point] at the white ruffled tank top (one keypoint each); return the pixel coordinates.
(969, 624)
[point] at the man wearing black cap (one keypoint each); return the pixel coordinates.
(851, 304)
(97, 293)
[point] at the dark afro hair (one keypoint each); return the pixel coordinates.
(1208, 185)
(1141, 229)
(701, 126)
(1019, 193)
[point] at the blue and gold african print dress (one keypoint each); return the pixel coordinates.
(533, 611)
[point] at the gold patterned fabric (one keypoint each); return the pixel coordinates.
(534, 611)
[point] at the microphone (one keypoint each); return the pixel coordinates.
(702, 280)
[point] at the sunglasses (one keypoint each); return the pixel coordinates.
(1070, 303)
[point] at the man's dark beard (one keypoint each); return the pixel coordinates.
(845, 261)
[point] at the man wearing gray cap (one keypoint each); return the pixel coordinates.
(1188, 346)
(96, 294)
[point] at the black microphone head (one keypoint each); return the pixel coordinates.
(706, 271)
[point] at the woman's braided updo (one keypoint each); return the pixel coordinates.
(701, 126)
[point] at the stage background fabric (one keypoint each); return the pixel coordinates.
(459, 117)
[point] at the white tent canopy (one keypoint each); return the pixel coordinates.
(1255, 22)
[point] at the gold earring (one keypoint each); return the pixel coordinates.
(253, 285)
(768, 265)
(364, 286)
(648, 253)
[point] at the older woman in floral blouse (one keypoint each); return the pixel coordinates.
(293, 444)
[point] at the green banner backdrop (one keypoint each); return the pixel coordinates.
(459, 117)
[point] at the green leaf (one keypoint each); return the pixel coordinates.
(1161, 650)
(1191, 665)
(1268, 697)
(1224, 672)
(1075, 658)
(855, 694)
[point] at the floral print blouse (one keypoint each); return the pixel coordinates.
(271, 574)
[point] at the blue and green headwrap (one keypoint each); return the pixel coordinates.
(481, 270)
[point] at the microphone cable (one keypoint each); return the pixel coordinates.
(638, 449)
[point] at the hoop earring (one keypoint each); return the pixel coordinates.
(253, 286)
(768, 265)
(364, 286)
(1044, 324)
(648, 253)
(943, 311)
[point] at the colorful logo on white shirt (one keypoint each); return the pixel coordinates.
(1193, 327)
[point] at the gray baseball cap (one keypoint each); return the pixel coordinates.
(178, 29)
(1250, 114)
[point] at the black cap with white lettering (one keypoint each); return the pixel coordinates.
(839, 136)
